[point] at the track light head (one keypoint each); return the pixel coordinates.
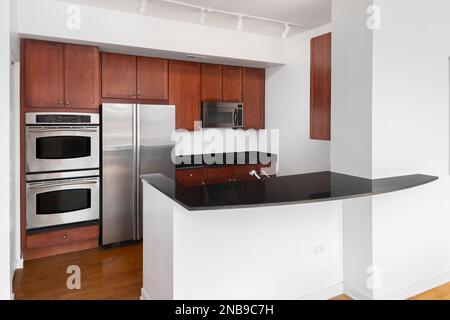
(143, 6)
(202, 18)
(287, 28)
(240, 23)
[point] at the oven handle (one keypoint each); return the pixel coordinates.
(62, 129)
(46, 186)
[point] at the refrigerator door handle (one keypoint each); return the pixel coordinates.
(138, 171)
(135, 167)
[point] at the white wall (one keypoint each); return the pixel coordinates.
(410, 128)
(287, 108)
(5, 238)
(391, 117)
(147, 35)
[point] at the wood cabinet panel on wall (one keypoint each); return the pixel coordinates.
(211, 82)
(253, 97)
(320, 109)
(44, 74)
(152, 78)
(118, 76)
(231, 84)
(185, 92)
(81, 76)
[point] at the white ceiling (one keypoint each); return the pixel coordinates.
(307, 12)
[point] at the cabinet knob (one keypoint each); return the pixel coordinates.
(60, 102)
(64, 236)
(67, 102)
(190, 174)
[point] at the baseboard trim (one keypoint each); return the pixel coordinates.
(144, 295)
(415, 289)
(355, 294)
(326, 294)
(19, 263)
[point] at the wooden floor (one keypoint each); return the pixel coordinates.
(114, 273)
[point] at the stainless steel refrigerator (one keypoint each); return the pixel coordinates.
(136, 140)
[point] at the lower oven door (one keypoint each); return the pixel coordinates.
(53, 203)
(61, 148)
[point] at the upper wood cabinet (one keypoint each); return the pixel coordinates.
(44, 74)
(130, 77)
(231, 84)
(185, 92)
(118, 76)
(221, 83)
(320, 108)
(81, 76)
(253, 97)
(152, 78)
(60, 75)
(211, 82)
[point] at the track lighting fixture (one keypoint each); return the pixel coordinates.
(240, 23)
(202, 18)
(287, 28)
(143, 6)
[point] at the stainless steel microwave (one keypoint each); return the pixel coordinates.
(222, 115)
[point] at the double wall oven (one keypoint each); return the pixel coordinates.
(62, 160)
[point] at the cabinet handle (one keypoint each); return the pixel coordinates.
(60, 102)
(64, 236)
(67, 103)
(190, 175)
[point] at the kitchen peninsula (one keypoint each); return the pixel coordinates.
(240, 240)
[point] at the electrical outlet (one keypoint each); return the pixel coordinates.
(319, 249)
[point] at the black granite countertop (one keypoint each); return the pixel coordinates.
(300, 188)
(220, 159)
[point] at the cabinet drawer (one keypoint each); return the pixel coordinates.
(190, 177)
(61, 237)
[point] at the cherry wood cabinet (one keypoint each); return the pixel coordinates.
(219, 174)
(152, 78)
(81, 76)
(44, 74)
(231, 84)
(118, 76)
(185, 92)
(191, 177)
(61, 75)
(211, 82)
(253, 97)
(320, 104)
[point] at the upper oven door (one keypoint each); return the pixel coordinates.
(61, 148)
(222, 115)
(53, 203)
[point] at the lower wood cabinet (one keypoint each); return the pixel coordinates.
(215, 175)
(190, 177)
(47, 243)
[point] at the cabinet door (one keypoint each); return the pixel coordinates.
(211, 82)
(184, 92)
(253, 98)
(232, 84)
(219, 175)
(320, 108)
(118, 76)
(81, 76)
(242, 172)
(190, 177)
(152, 78)
(44, 74)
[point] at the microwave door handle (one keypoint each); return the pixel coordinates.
(46, 186)
(235, 117)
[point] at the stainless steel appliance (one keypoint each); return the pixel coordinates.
(54, 199)
(222, 115)
(61, 141)
(136, 140)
